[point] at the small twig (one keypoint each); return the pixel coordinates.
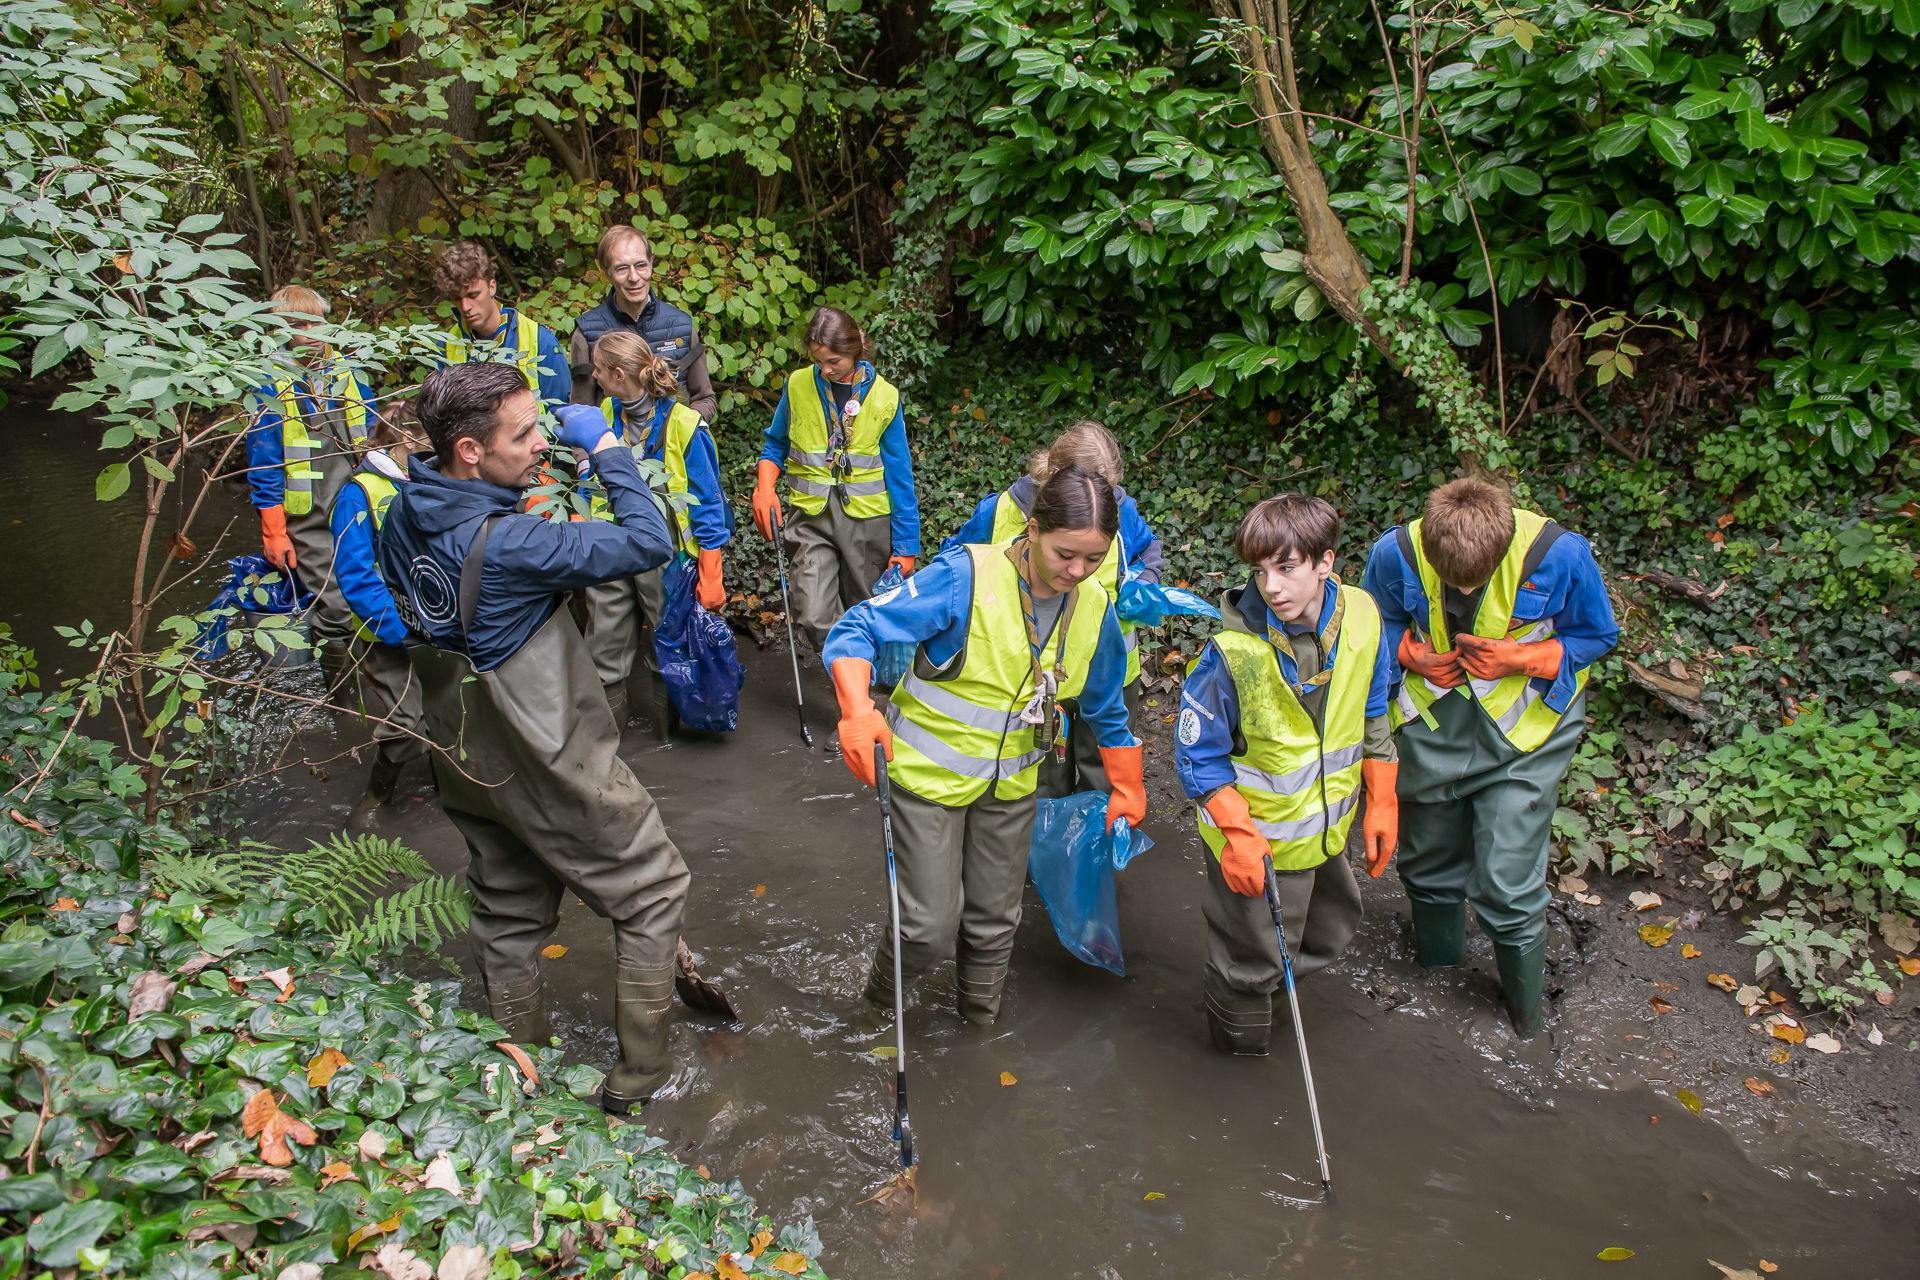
(46, 1107)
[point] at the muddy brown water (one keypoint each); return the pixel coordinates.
(1126, 1147)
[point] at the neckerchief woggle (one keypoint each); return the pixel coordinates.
(1328, 637)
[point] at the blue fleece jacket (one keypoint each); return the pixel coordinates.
(553, 371)
(895, 457)
(266, 452)
(1139, 544)
(1210, 701)
(528, 563)
(932, 611)
(709, 515)
(1566, 588)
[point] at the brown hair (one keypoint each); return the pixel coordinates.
(298, 300)
(1465, 533)
(611, 238)
(1087, 445)
(839, 333)
(462, 402)
(1076, 499)
(459, 265)
(395, 423)
(1288, 524)
(628, 351)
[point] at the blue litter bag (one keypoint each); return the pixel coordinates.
(896, 658)
(697, 656)
(1148, 604)
(253, 586)
(1072, 865)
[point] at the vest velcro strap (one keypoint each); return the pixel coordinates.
(929, 745)
(1295, 781)
(957, 708)
(804, 484)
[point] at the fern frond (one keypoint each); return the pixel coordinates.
(343, 876)
(425, 914)
(223, 873)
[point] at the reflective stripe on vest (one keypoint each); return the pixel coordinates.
(682, 424)
(524, 353)
(955, 738)
(1287, 760)
(863, 479)
(1009, 521)
(1517, 708)
(379, 490)
(333, 390)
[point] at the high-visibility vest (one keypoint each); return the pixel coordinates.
(524, 353)
(379, 490)
(334, 388)
(682, 424)
(862, 477)
(1301, 783)
(1516, 707)
(1009, 521)
(957, 736)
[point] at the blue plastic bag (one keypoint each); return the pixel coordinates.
(1072, 864)
(1148, 604)
(253, 585)
(697, 655)
(896, 659)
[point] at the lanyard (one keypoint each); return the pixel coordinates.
(1039, 710)
(1329, 636)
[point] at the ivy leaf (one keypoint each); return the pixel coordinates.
(57, 1238)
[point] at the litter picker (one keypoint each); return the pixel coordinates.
(902, 1130)
(786, 606)
(1299, 1032)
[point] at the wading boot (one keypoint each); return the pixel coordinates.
(977, 992)
(617, 703)
(874, 1009)
(1244, 1033)
(1523, 984)
(382, 782)
(642, 1003)
(521, 1009)
(1439, 933)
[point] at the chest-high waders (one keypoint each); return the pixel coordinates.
(330, 622)
(620, 619)
(535, 784)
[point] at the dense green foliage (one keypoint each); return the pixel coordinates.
(199, 1085)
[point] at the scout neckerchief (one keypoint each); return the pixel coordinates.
(838, 424)
(1329, 634)
(1041, 710)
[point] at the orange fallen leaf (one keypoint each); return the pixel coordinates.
(338, 1171)
(1688, 951)
(728, 1269)
(794, 1264)
(759, 891)
(553, 952)
(263, 1118)
(1726, 519)
(1660, 1006)
(1007, 1078)
(1910, 965)
(1653, 1119)
(371, 1230)
(1788, 1032)
(1655, 935)
(1764, 1264)
(758, 1245)
(64, 904)
(1724, 981)
(520, 1060)
(321, 1067)
(29, 823)
(1757, 1087)
(1779, 1054)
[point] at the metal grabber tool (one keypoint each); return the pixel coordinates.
(902, 1130)
(786, 607)
(1299, 1032)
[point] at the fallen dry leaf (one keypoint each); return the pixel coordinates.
(1733, 1273)
(728, 1269)
(1007, 1078)
(794, 1264)
(1769, 1266)
(1724, 981)
(1757, 1087)
(520, 1060)
(1750, 998)
(1572, 884)
(64, 904)
(1874, 1037)
(554, 951)
(1883, 997)
(1779, 1054)
(372, 1144)
(1690, 1100)
(322, 1066)
(1660, 1006)
(1909, 965)
(397, 1262)
(760, 891)
(150, 993)
(1688, 951)
(262, 1117)
(904, 1189)
(758, 1244)
(1655, 935)
(338, 1171)
(1901, 933)
(1591, 899)
(281, 978)
(1154, 1195)
(1788, 1032)
(373, 1229)
(29, 823)
(441, 1177)
(1640, 900)
(1823, 1043)
(465, 1262)
(300, 1271)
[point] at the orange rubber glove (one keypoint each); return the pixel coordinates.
(766, 503)
(1487, 659)
(274, 542)
(1125, 774)
(710, 593)
(1380, 828)
(861, 724)
(1243, 862)
(1417, 656)
(903, 563)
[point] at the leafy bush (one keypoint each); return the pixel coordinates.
(194, 1091)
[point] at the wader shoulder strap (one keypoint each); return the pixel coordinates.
(1537, 553)
(470, 573)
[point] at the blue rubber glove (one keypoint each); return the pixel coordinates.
(582, 426)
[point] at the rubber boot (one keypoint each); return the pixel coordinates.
(334, 668)
(521, 1009)
(875, 1008)
(382, 782)
(643, 1001)
(1523, 984)
(978, 989)
(1242, 1036)
(1439, 933)
(617, 703)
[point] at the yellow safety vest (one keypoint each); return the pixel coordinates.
(1517, 708)
(379, 491)
(1301, 783)
(524, 353)
(1009, 521)
(862, 479)
(334, 387)
(958, 735)
(682, 424)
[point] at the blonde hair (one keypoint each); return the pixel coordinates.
(1466, 530)
(298, 300)
(626, 350)
(1087, 445)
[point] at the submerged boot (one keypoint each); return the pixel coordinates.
(978, 991)
(1244, 1032)
(382, 782)
(875, 1008)
(643, 1001)
(1523, 984)
(617, 703)
(1439, 933)
(521, 1009)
